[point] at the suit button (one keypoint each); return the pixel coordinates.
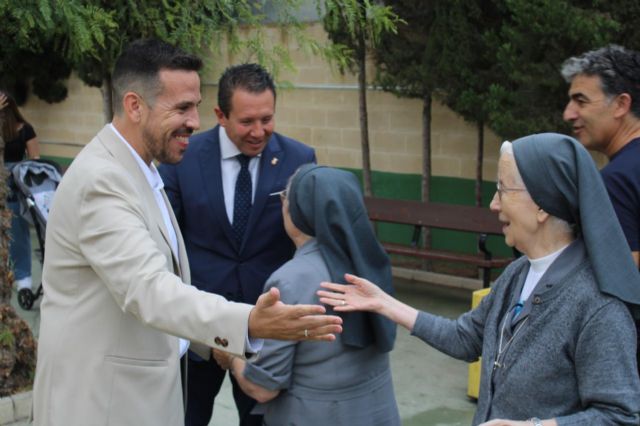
(218, 341)
(537, 300)
(224, 343)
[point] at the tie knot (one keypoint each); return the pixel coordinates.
(244, 160)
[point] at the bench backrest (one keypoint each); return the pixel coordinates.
(434, 215)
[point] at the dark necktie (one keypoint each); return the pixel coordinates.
(242, 199)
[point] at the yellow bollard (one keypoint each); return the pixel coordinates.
(473, 386)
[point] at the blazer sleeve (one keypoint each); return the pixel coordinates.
(123, 246)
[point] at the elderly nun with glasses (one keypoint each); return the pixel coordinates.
(347, 381)
(555, 333)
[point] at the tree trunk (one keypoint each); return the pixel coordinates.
(426, 167)
(364, 119)
(479, 161)
(107, 98)
(426, 148)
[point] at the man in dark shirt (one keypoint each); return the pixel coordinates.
(604, 111)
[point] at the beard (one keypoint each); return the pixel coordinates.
(160, 148)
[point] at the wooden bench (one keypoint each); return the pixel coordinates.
(478, 220)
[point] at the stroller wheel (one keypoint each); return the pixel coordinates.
(25, 298)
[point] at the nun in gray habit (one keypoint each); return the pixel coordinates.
(347, 381)
(555, 333)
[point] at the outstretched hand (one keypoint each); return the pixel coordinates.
(272, 319)
(362, 295)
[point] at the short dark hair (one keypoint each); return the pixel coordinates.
(138, 67)
(250, 77)
(617, 67)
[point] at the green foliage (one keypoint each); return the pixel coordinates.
(498, 61)
(626, 14)
(40, 39)
(463, 65)
(354, 26)
(44, 40)
(534, 37)
(403, 59)
(7, 339)
(439, 52)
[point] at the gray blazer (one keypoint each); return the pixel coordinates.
(321, 383)
(574, 357)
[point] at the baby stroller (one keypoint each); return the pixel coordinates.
(36, 182)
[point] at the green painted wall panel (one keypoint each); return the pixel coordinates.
(62, 161)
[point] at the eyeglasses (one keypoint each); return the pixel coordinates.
(500, 189)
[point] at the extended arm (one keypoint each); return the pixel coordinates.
(461, 338)
(121, 244)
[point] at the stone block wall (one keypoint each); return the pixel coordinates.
(320, 108)
(15, 410)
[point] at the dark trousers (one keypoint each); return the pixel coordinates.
(204, 381)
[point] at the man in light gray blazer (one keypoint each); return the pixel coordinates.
(118, 311)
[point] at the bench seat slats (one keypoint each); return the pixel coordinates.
(478, 220)
(434, 215)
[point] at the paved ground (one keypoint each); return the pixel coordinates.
(430, 387)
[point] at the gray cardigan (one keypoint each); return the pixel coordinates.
(573, 359)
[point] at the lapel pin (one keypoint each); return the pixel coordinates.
(274, 161)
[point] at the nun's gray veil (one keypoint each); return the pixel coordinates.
(327, 203)
(563, 180)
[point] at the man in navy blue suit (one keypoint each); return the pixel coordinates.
(231, 220)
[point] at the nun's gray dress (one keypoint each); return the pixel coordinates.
(572, 358)
(321, 383)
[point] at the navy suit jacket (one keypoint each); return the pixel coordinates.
(194, 187)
